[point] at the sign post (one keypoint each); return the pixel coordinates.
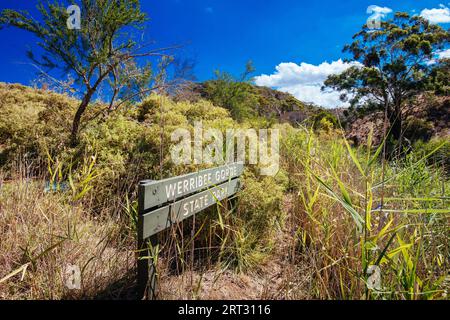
(167, 202)
(146, 269)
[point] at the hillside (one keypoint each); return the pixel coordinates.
(426, 116)
(262, 102)
(269, 102)
(306, 233)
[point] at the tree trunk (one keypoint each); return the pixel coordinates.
(396, 128)
(394, 113)
(77, 119)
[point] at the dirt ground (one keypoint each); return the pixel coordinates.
(278, 278)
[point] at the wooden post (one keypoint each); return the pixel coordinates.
(147, 275)
(146, 270)
(166, 202)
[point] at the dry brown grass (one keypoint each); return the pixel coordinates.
(406, 241)
(46, 233)
(314, 252)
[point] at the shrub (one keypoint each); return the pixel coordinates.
(324, 120)
(418, 129)
(440, 158)
(251, 232)
(31, 120)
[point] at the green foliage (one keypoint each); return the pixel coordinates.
(114, 142)
(261, 209)
(102, 51)
(393, 64)
(246, 101)
(273, 103)
(439, 79)
(352, 217)
(440, 158)
(324, 205)
(233, 94)
(418, 129)
(36, 123)
(250, 231)
(117, 151)
(324, 120)
(32, 120)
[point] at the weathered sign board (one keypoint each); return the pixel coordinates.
(166, 202)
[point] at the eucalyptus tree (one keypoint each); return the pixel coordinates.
(233, 93)
(440, 77)
(395, 62)
(105, 51)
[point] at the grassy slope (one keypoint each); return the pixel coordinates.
(296, 241)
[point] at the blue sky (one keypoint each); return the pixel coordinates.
(224, 34)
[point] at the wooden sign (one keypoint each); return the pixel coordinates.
(166, 202)
(156, 193)
(162, 218)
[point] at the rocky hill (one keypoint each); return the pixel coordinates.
(266, 102)
(425, 117)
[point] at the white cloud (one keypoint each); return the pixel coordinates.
(377, 15)
(379, 12)
(304, 81)
(437, 15)
(445, 54)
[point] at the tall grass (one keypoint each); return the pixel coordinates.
(350, 223)
(322, 228)
(46, 232)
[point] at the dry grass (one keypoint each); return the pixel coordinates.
(44, 233)
(316, 250)
(278, 277)
(341, 232)
(290, 238)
